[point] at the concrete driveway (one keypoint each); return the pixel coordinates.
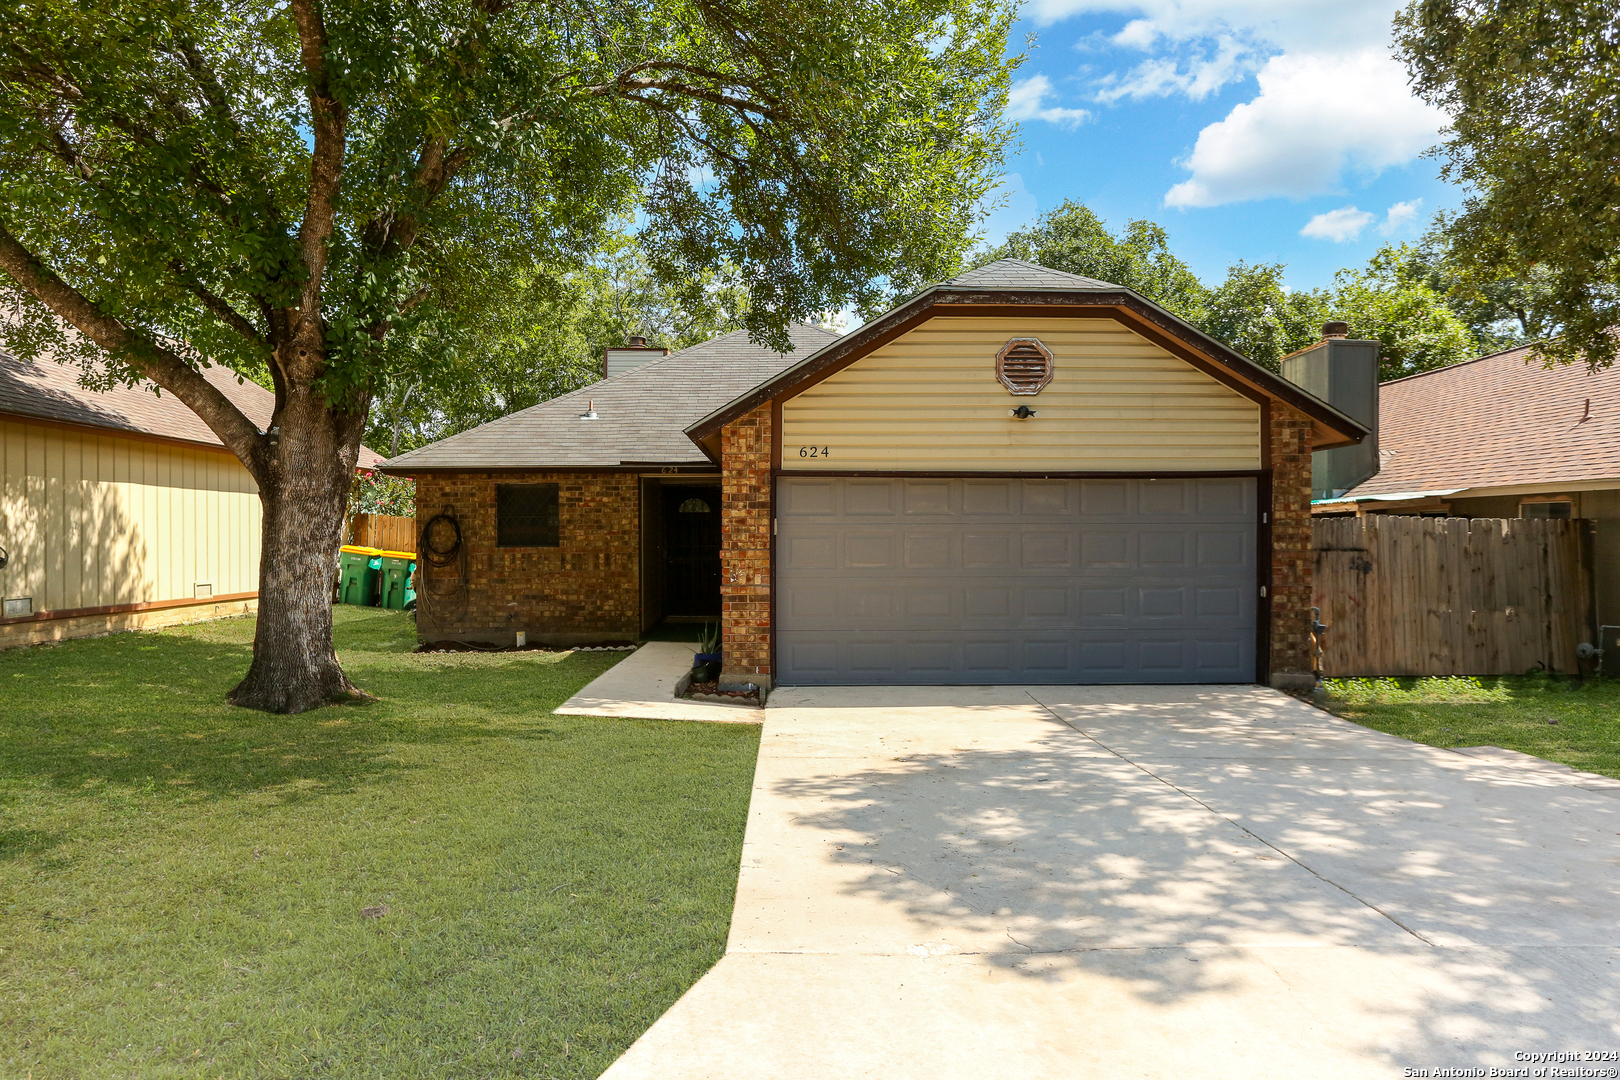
(1147, 882)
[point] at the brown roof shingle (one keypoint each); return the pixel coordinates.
(46, 390)
(642, 413)
(1497, 421)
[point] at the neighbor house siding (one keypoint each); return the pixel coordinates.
(930, 401)
(94, 521)
(586, 590)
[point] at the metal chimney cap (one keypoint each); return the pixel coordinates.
(637, 342)
(1335, 329)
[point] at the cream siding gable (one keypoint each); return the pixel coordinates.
(95, 520)
(930, 401)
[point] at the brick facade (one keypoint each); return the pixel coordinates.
(587, 590)
(1291, 557)
(745, 549)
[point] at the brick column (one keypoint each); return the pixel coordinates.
(745, 550)
(1292, 560)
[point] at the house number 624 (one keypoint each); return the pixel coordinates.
(814, 451)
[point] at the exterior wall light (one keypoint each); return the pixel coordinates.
(1023, 412)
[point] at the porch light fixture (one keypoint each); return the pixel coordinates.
(590, 411)
(1023, 412)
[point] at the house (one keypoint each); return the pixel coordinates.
(1018, 475)
(120, 509)
(1502, 437)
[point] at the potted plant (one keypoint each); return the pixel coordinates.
(706, 662)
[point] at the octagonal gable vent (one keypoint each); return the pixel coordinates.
(1024, 366)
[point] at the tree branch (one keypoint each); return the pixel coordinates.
(216, 304)
(623, 87)
(152, 360)
(329, 119)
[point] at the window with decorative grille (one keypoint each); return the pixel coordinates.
(1024, 366)
(526, 515)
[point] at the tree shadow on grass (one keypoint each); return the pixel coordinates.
(145, 714)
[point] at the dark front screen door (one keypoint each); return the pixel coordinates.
(692, 550)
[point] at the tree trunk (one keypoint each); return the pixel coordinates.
(295, 667)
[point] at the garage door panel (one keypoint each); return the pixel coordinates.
(1045, 550)
(929, 551)
(813, 551)
(1234, 498)
(1160, 498)
(982, 549)
(869, 498)
(1159, 549)
(1003, 581)
(1104, 497)
(928, 498)
(1048, 497)
(868, 551)
(804, 498)
(987, 497)
(1107, 548)
(930, 603)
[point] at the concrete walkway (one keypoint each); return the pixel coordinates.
(1146, 882)
(643, 685)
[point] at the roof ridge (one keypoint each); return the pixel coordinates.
(1460, 364)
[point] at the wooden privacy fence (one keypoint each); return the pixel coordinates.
(1452, 596)
(382, 531)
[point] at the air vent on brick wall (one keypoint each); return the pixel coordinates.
(1024, 366)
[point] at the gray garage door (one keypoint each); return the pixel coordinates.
(1015, 581)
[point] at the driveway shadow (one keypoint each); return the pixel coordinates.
(1216, 853)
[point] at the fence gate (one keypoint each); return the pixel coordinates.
(1452, 596)
(384, 531)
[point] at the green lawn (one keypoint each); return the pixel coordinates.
(1551, 717)
(181, 882)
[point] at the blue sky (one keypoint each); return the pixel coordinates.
(1260, 130)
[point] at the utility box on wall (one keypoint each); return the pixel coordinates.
(1343, 373)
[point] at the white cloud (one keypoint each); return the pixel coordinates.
(1339, 225)
(1331, 103)
(1316, 117)
(1027, 101)
(1198, 78)
(1400, 218)
(1290, 25)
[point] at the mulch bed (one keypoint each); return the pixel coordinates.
(711, 692)
(462, 646)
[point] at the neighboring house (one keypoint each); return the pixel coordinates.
(1019, 475)
(120, 509)
(1502, 437)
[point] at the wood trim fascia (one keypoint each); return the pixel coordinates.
(125, 609)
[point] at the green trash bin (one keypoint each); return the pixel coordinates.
(357, 576)
(410, 588)
(395, 567)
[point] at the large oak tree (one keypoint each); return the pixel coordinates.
(295, 185)
(1533, 91)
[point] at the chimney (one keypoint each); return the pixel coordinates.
(632, 354)
(1343, 372)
